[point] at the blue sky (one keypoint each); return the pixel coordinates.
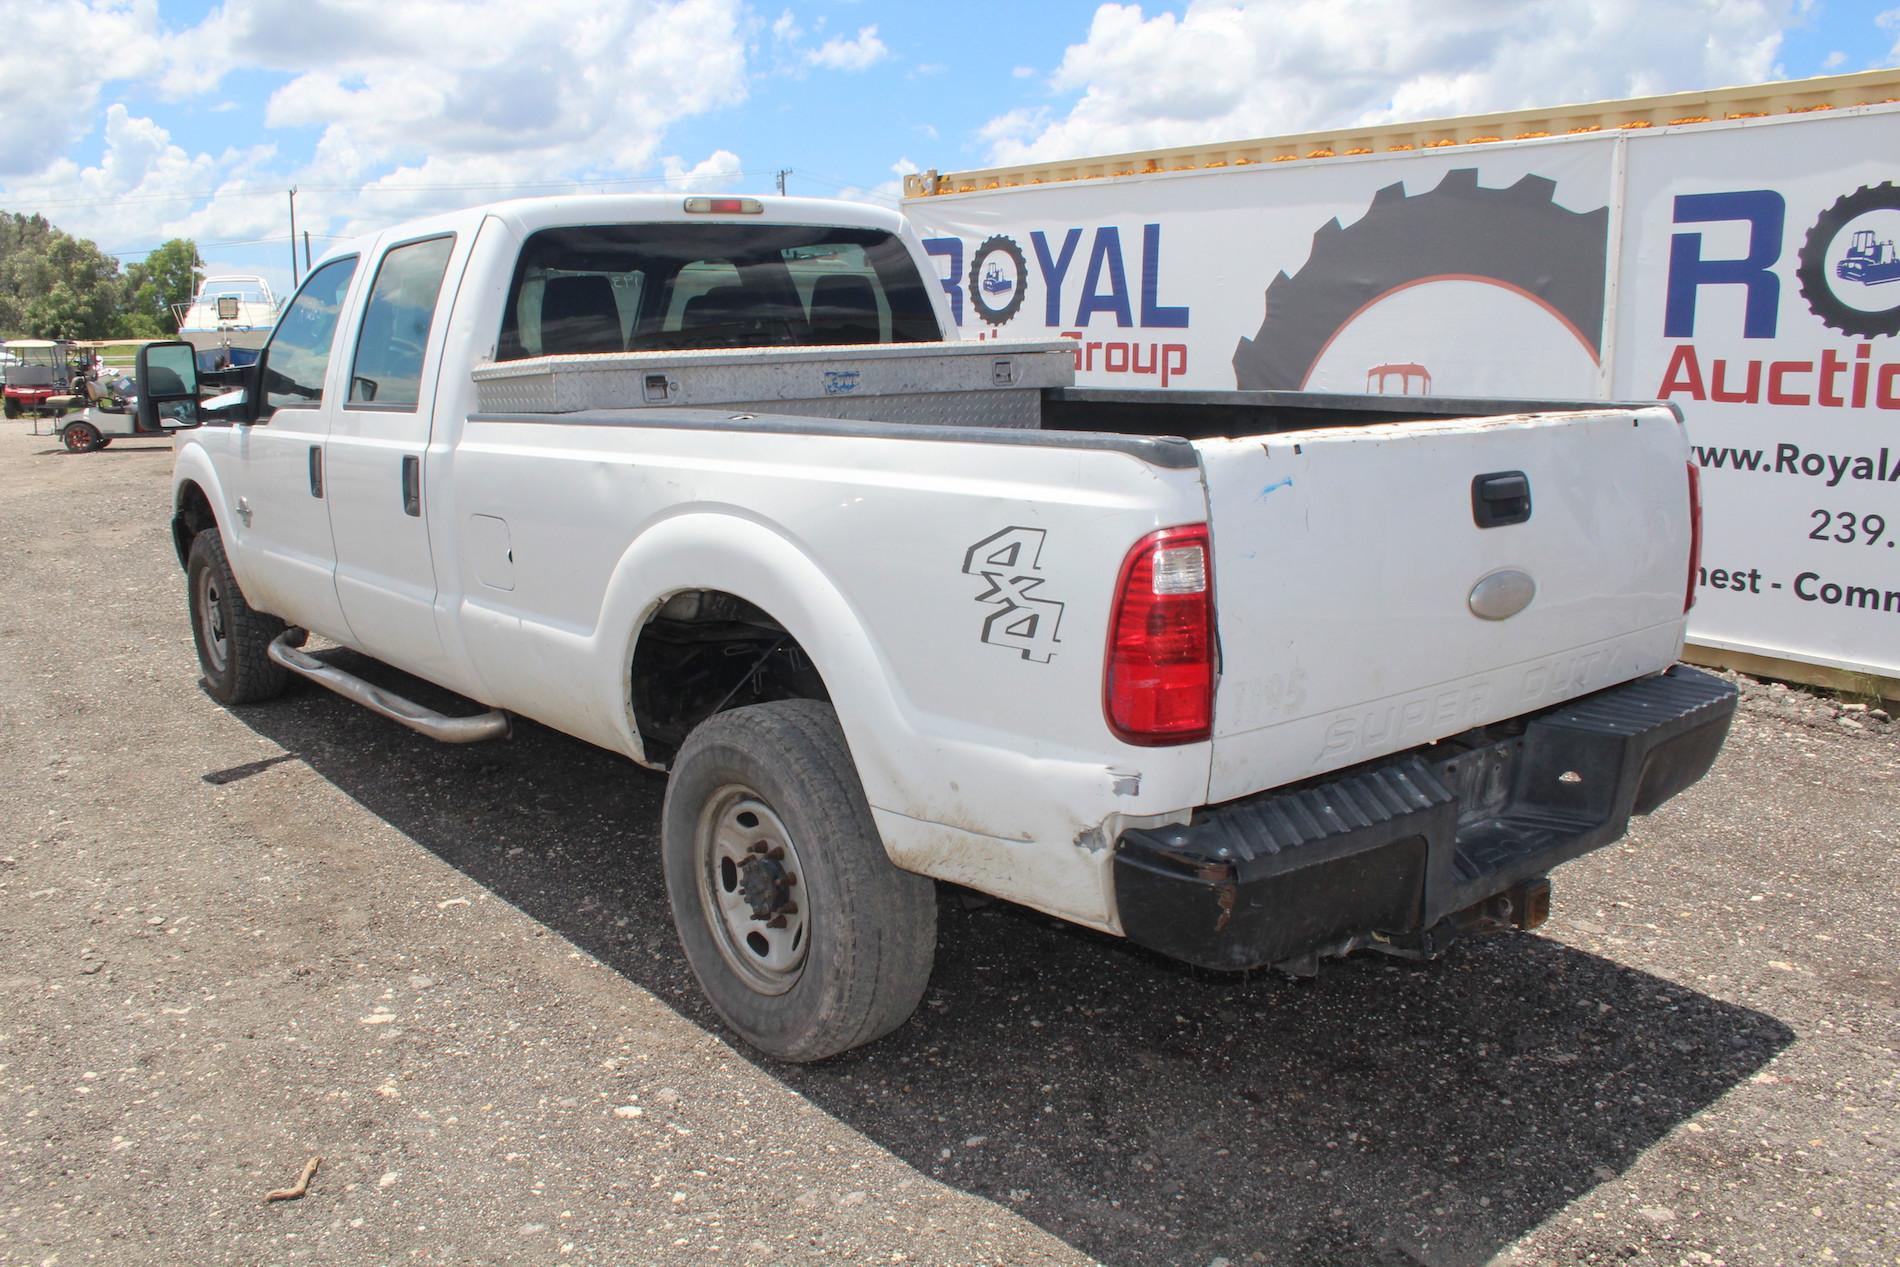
(205, 113)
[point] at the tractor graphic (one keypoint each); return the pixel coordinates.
(1406, 373)
(1869, 262)
(994, 283)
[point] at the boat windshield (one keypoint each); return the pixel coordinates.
(248, 290)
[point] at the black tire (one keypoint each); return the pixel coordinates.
(11, 408)
(1818, 288)
(870, 930)
(1006, 245)
(237, 665)
(79, 437)
(105, 442)
(1515, 235)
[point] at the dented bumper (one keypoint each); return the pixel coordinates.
(1401, 852)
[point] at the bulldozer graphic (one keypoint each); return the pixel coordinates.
(1869, 262)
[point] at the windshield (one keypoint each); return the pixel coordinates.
(613, 288)
(249, 290)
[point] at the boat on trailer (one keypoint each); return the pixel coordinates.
(228, 320)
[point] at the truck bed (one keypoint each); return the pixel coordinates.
(1020, 384)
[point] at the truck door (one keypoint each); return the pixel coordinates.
(385, 578)
(272, 472)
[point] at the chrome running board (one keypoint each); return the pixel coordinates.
(489, 725)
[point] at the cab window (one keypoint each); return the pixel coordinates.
(387, 371)
(640, 287)
(299, 350)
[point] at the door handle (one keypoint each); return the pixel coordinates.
(316, 470)
(412, 486)
(1500, 498)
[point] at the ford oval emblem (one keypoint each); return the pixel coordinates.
(1502, 594)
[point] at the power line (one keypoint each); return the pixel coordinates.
(841, 186)
(212, 246)
(242, 192)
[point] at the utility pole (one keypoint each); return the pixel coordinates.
(782, 174)
(293, 237)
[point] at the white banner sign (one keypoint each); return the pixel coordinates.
(1760, 292)
(1745, 271)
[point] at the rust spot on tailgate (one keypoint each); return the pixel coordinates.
(1229, 893)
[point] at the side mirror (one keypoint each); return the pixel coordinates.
(167, 376)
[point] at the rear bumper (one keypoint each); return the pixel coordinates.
(1395, 852)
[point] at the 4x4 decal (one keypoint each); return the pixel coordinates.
(1009, 561)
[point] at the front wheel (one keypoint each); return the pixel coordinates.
(233, 639)
(804, 936)
(80, 437)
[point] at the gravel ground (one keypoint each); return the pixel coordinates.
(238, 939)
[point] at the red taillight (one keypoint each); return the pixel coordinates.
(1695, 534)
(1158, 683)
(725, 206)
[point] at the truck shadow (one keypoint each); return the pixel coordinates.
(1143, 1112)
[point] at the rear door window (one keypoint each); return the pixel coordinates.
(609, 288)
(387, 372)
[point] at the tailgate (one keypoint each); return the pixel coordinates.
(1347, 567)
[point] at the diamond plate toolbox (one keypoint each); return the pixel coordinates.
(989, 383)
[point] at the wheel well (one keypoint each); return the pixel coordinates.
(703, 652)
(192, 517)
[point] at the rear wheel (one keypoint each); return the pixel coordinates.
(12, 408)
(804, 936)
(80, 437)
(233, 639)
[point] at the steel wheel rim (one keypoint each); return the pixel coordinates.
(212, 635)
(752, 893)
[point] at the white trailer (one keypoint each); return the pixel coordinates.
(1729, 252)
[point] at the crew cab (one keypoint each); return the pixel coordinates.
(1251, 678)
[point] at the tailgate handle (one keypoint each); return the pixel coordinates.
(1500, 498)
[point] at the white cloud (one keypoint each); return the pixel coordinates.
(839, 53)
(1264, 67)
(576, 86)
(1890, 21)
(418, 106)
(717, 172)
(886, 193)
(52, 96)
(1834, 60)
(1023, 72)
(145, 189)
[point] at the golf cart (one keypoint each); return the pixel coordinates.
(166, 400)
(38, 373)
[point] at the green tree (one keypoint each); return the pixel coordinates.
(53, 285)
(166, 277)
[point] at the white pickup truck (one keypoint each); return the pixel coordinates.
(1250, 678)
